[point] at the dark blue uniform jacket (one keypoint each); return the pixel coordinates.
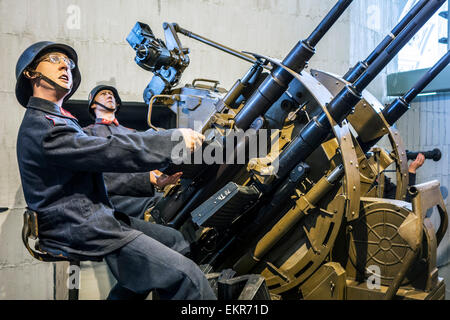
(61, 171)
(130, 193)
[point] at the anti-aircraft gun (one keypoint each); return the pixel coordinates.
(309, 214)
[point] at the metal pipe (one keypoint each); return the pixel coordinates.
(271, 89)
(214, 44)
(328, 22)
(289, 220)
(434, 154)
(353, 73)
(398, 107)
(276, 84)
(398, 43)
(316, 131)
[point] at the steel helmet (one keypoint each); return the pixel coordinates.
(95, 91)
(23, 85)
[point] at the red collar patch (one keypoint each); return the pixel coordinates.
(66, 113)
(107, 122)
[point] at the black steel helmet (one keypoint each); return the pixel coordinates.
(95, 91)
(23, 85)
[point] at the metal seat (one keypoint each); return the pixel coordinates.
(30, 231)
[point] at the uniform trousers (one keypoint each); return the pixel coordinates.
(155, 261)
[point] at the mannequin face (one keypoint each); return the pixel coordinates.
(105, 97)
(55, 66)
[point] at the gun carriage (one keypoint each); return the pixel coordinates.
(307, 212)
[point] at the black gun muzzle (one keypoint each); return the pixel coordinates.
(434, 154)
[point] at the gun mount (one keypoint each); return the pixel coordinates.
(306, 211)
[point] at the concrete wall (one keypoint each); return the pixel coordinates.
(269, 27)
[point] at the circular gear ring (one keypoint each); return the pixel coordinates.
(375, 241)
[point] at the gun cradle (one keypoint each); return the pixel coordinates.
(310, 216)
(317, 226)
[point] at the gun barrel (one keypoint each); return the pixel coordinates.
(316, 131)
(398, 43)
(429, 76)
(353, 73)
(434, 154)
(328, 22)
(273, 87)
(399, 106)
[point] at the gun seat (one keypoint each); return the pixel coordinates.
(30, 230)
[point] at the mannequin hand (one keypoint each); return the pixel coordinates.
(161, 180)
(416, 164)
(192, 139)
